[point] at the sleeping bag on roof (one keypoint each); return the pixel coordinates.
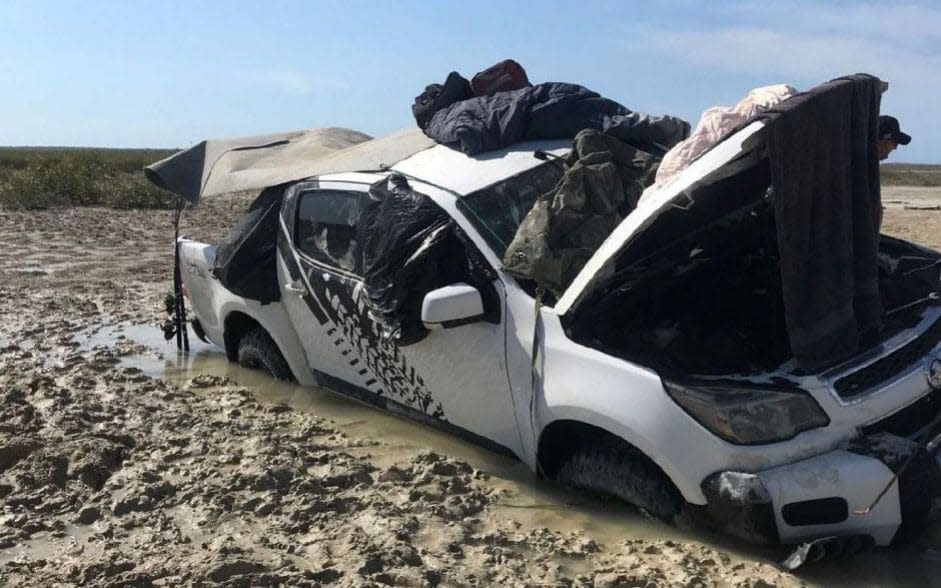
(548, 111)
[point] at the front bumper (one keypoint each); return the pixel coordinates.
(817, 497)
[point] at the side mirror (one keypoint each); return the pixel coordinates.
(451, 306)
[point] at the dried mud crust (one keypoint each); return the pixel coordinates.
(109, 477)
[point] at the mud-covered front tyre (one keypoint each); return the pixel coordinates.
(258, 351)
(615, 469)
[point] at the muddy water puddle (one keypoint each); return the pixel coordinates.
(532, 502)
(67, 540)
(529, 502)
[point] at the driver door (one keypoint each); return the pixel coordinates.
(456, 376)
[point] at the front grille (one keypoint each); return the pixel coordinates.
(910, 420)
(890, 365)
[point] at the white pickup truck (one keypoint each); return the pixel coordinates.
(765, 453)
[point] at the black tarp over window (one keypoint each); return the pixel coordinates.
(411, 246)
(246, 258)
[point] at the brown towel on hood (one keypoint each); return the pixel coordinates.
(825, 174)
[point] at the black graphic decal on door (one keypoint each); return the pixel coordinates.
(358, 338)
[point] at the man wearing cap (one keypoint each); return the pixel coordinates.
(890, 136)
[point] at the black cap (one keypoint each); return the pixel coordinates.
(889, 129)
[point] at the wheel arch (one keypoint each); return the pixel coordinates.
(235, 326)
(238, 316)
(560, 437)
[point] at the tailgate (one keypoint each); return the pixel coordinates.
(196, 261)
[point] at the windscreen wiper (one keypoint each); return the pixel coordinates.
(933, 297)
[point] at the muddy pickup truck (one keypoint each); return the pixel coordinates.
(673, 390)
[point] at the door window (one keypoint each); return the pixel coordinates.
(326, 227)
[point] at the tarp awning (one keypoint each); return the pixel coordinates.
(253, 163)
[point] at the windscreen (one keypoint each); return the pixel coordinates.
(498, 210)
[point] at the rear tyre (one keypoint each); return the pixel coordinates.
(612, 468)
(258, 351)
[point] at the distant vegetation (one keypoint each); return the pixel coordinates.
(911, 174)
(38, 177)
(43, 177)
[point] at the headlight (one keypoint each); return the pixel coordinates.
(749, 415)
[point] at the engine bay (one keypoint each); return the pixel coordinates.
(701, 293)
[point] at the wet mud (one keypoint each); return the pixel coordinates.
(124, 463)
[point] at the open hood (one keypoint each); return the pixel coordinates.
(739, 151)
(816, 152)
(242, 164)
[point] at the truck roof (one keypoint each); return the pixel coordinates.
(463, 174)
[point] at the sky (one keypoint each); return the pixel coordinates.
(170, 73)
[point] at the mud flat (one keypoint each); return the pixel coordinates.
(913, 213)
(122, 463)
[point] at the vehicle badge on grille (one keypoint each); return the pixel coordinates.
(933, 372)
